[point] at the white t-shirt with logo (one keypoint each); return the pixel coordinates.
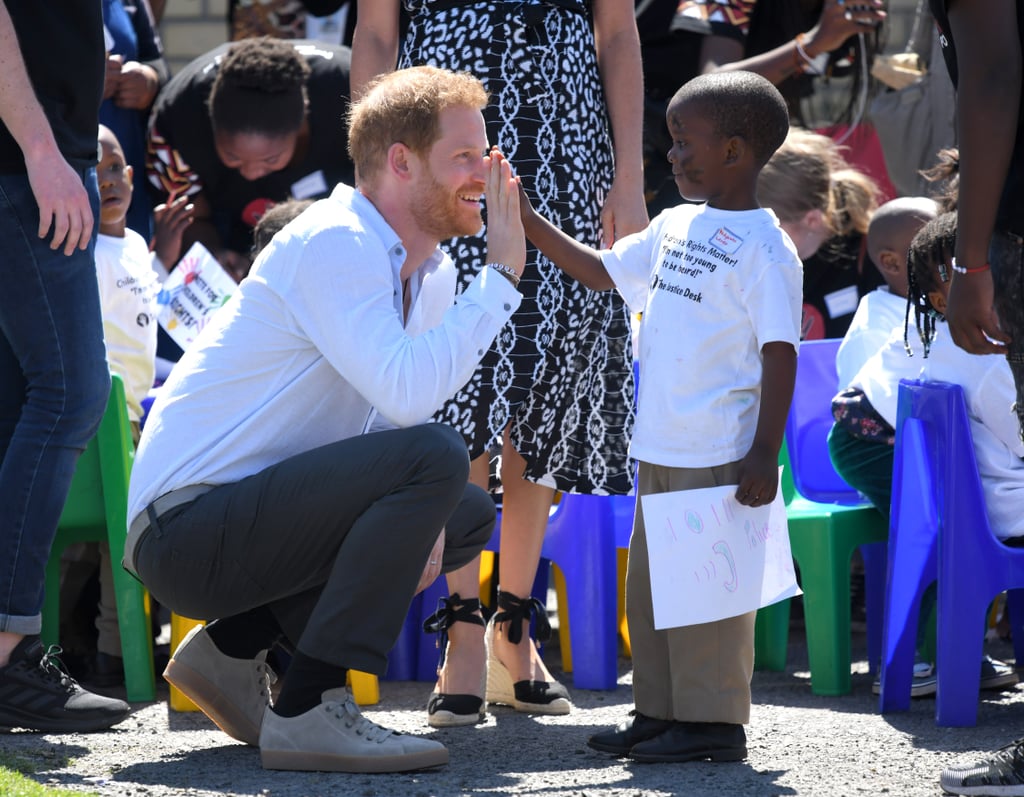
(128, 288)
(714, 287)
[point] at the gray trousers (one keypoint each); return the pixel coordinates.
(333, 541)
(696, 673)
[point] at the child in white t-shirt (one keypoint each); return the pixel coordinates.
(719, 285)
(890, 232)
(861, 440)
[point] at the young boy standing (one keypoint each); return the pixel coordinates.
(719, 285)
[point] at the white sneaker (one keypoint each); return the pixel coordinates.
(232, 692)
(336, 737)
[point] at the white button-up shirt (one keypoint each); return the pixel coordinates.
(312, 347)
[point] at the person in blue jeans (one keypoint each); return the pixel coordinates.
(54, 382)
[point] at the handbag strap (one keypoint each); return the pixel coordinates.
(914, 43)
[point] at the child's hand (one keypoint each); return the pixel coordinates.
(506, 242)
(759, 477)
(169, 223)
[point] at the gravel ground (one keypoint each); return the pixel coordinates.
(799, 744)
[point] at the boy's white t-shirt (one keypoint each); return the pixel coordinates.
(714, 287)
(989, 393)
(878, 314)
(128, 289)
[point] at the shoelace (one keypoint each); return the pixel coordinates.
(513, 610)
(265, 678)
(451, 610)
(349, 713)
(53, 668)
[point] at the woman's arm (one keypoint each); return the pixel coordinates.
(988, 56)
(374, 42)
(618, 60)
(837, 23)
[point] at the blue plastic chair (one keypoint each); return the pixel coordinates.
(972, 566)
(581, 541)
(828, 519)
(912, 566)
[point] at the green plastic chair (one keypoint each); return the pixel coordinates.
(823, 536)
(96, 510)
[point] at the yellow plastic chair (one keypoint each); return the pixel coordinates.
(96, 511)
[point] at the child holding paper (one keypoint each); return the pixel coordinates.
(719, 284)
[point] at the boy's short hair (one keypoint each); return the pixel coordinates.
(744, 104)
(405, 106)
(274, 220)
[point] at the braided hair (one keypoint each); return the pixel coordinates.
(927, 267)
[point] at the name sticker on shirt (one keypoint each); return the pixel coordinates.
(310, 186)
(726, 240)
(842, 302)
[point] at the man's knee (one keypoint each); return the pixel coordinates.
(443, 449)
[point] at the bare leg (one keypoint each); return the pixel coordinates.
(466, 659)
(8, 642)
(524, 519)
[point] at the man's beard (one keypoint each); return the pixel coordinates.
(439, 211)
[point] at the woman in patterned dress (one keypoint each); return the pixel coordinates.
(556, 390)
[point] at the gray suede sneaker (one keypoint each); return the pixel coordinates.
(336, 737)
(234, 693)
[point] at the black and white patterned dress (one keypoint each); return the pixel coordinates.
(561, 371)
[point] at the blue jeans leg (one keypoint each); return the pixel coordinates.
(54, 385)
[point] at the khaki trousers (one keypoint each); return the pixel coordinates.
(698, 673)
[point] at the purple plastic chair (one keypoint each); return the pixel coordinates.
(935, 454)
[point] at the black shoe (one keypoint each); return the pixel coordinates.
(621, 739)
(694, 741)
(105, 672)
(37, 693)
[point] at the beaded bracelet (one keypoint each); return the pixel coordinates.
(963, 270)
(507, 272)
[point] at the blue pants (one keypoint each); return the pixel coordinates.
(54, 386)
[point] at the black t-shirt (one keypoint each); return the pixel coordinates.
(181, 155)
(63, 49)
(1011, 205)
(835, 279)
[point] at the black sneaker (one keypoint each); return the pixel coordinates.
(620, 739)
(37, 693)
(1002, 774)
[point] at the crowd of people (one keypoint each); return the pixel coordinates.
(442, 218)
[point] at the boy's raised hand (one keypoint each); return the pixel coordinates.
(506, 241)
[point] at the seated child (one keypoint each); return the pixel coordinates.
(861, 440)
(128, 287)
(719, 286)
(879, 312)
